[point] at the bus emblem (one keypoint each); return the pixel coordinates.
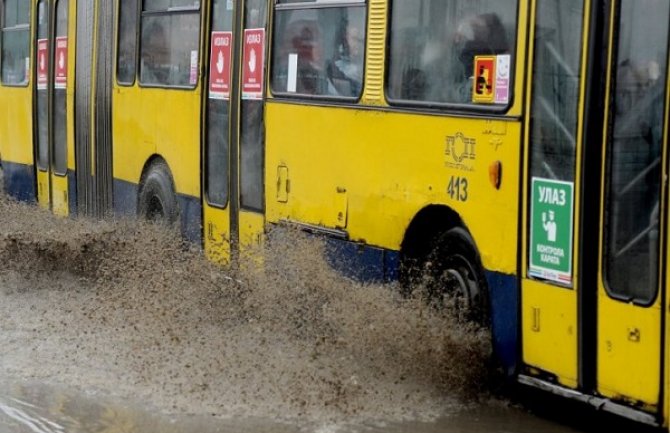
(460, 151)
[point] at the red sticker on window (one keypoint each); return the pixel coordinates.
(60, 81)
(42, 63)
(219, 65)
(253, 63)
(484, 86)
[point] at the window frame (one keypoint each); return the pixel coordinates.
(138, 17)
(318, 4)
(607, 171)
(167, 12)
(28, 27)
(452, 107)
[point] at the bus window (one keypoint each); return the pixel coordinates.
(632, 205)
(126, 61)
(556, 75)
(435, 45)
(60, 96)
(15, 42)
(319, 51)
(218, 134)
(42, 98)
(252, 131)
(170, 32)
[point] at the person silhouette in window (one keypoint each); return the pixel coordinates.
(346, 72)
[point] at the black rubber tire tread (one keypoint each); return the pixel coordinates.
(157, 199)
(455, 251)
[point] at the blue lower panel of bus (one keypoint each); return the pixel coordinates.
(125, 203)
(362, 262)
(370, 264)
(504, 297)
(19, 181)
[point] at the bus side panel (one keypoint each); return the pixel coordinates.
(371, 172)
(158, 122)
(16, 138)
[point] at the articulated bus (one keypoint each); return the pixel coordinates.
(515, 151)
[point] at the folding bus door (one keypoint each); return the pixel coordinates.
(234, 130)
(219, 204)
(53, 90)
(631, 297)
(550, 289)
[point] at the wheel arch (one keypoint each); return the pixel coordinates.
(426, 226)
(152, 163)
(425, 229)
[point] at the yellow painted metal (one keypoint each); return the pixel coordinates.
(252, 227)
(16, 124)
(629, 336)
(549, 312)
(164, 122)
(43, 189)
(59, 195)
(374, 175)
(629, 351)
(217, 233)
(549, 330)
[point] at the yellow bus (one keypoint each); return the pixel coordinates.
(513, 152)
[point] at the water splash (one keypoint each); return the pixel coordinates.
(130, 308)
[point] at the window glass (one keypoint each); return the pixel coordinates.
(632, 206)
(319, 51)
(60, 94)
(42, 99)
(126, 61)
(218, 119)
(166, 5)
(16, 42)
(556, 75)
(252, 127)
(169, 47)
(434, 45)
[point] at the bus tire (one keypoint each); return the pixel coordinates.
(455, 276)
(157, 200)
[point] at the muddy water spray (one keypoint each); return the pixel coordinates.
(129, 308)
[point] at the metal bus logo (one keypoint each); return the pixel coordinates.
(460, 150)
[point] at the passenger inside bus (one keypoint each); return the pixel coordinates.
(346, 71)
(450, 67)
(311, 76)
(155, 65)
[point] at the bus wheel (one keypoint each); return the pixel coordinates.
(157, 199)
(455, 278)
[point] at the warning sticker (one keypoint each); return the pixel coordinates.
(483, 88)
(60, 80)
(253, 64)
(219, 65)
(42, 63)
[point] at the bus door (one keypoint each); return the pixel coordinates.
(549, 288)
(631, 297)
(51, 106)
(234, 129)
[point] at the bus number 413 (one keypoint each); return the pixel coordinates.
(458, 188)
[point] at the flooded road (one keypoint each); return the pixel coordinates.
(36, 408)
(119, 326)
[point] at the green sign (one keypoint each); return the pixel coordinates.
(551, 228)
